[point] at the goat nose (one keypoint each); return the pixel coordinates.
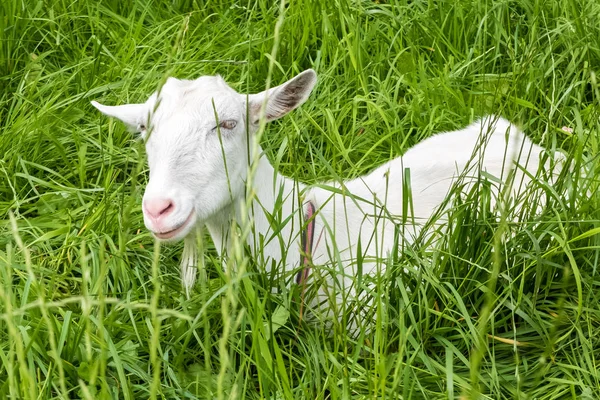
(157, 208)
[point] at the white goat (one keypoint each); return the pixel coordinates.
(198, 158)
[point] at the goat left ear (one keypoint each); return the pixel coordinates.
(283, 98)
(132, 115)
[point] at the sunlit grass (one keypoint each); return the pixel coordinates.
(90, 307)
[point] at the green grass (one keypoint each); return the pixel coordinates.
(91, 307)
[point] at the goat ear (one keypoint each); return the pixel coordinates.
(283, 98)
(132, 115)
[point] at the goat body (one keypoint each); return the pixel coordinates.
(198, 158)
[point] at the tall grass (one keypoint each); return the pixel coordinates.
(92, 307)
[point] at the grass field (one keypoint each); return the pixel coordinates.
(91, 307)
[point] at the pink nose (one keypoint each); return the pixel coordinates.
(158, 208)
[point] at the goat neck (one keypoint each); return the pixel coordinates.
(272, 237)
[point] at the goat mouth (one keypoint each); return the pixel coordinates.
(174, 232)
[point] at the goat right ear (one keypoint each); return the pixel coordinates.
(132, 115)
(282, 99)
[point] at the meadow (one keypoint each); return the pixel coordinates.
(91, 306)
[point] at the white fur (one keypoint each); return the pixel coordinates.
(186, 163)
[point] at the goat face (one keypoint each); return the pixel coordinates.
(196, 135)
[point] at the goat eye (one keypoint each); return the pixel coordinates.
(142, 127)
(227, 124)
